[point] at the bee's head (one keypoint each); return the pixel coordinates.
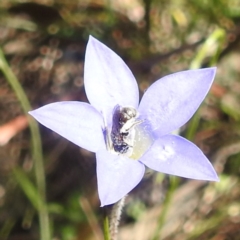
(127, 113)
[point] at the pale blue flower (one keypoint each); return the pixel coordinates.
(166, 105)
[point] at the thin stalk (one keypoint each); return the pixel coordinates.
(106, 231)
(173, 185)
(6, 228)
(214, 41)
(91, 218)
(193, 127)
(36, 147)
(115, 218)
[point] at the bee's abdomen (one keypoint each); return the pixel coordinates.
(118, 143)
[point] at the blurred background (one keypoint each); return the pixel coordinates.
(44, 42)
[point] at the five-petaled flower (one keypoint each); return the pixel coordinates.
(125, 143)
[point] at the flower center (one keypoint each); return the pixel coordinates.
(130, 135)
(142, 141)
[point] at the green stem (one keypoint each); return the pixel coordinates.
(193, 127)
(106, 231)
(215, 40)
(6, 228)
(173, 185)
(36, 148)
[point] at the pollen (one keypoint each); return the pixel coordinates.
(142, 141)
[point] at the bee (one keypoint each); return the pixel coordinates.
(123, 132)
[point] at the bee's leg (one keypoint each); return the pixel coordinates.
(127, 126)
(129, 138)
(129, 151)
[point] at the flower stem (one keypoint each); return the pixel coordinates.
(106, 224)
(36, 148)
(111, 227)
(115, 218)
(173, 185)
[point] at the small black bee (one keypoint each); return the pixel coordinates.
(122, 134)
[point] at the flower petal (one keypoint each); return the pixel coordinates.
(78, 122)
(177, 156)
(108, 80)
(116, 176)
(171, 101)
